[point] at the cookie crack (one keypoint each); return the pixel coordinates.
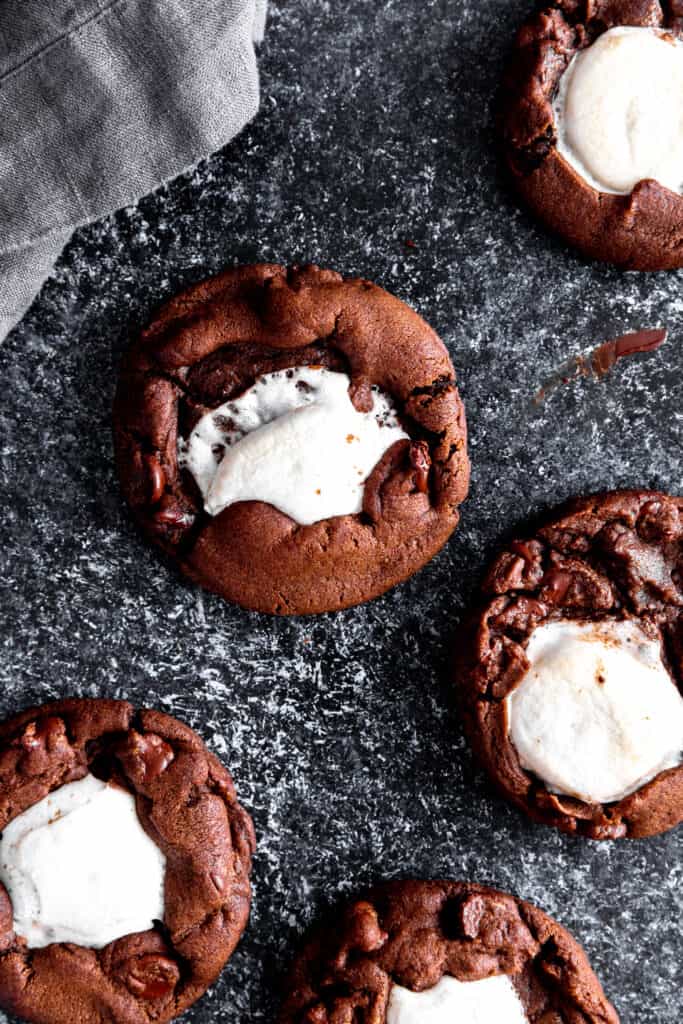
(444, 382)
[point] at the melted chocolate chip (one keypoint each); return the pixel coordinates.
(44, 735)
(6, 919)
(40, 742)
(150, 976)
(156, 479)
(392, 460)
(144, 757)
(421, 462)
(171, 514)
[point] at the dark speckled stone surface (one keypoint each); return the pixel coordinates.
(375, 128)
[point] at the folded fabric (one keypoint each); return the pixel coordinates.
(100, 102)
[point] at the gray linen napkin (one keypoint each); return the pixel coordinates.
(100, 102)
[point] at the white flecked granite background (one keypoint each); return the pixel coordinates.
(375, 129)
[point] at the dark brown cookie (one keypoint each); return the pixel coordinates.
(412, 934)
(186, 803)
(610, 558)
(642, 230)
(209, 345)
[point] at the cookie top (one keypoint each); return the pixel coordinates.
(592, 129)
(569, 673)
(294, 441)
(414, 951)
(144, 784)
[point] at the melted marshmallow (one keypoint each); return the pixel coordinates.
(489, 1001)
(295, 440)
(619, 110)
(79, 867)
(597, 715)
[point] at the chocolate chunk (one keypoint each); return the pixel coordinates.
(472, 910)
(364, 931)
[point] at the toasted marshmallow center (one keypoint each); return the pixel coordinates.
(78, 867)
(294, 440)
(619, 110)
(597, 714)
(458, 1002)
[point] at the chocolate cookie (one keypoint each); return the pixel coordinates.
(444, 952)
(569, 675)
(592, 129)
(294, 441)
(124, 860)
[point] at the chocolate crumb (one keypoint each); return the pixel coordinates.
(599, 361)
(604, 357)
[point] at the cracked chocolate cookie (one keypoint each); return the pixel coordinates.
(412, 952)
(294, 441)
(124, 864)
(569, 675)
(592, 126)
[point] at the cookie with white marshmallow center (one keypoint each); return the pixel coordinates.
(570, 673)
(293, 440)
(592, 121)
(124, 864)
(416, 952)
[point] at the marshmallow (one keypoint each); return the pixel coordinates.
(458, 1002)
(597, 714)
(294, 440)
(78, 867)
(619, 111)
